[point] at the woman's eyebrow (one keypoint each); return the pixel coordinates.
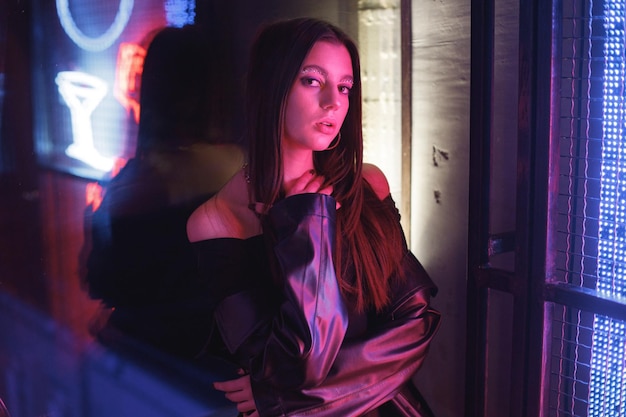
(315, 68)
(347, 79)
(322, 71)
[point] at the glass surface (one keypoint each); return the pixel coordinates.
(69, 101)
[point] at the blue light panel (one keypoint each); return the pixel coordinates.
(180, 12)
(607, 388)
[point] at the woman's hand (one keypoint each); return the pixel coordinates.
(309, 182)
(239, 392)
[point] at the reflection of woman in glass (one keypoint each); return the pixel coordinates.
(141, 264)
(316, 295)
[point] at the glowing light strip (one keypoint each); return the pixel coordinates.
(607, 387)
(82, 94)
(130, 58)
(101, 42)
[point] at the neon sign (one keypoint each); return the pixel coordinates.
(101, 42)
(82, 94)
(128, 77)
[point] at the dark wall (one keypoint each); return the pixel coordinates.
(21, 267)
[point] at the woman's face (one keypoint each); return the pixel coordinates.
(318, 101)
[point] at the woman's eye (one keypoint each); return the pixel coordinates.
(344, 89)
(311, 82)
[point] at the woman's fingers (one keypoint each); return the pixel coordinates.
(228, 386)
(304, 184)
(246, 407)
(328, 190)
(309, 182)
(238, 391)
(236, 396)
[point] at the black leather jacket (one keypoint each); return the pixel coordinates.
(299, 359)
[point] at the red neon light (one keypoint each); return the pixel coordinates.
(128, 71)
(94, 193)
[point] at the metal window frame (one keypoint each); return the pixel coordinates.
(536, 184)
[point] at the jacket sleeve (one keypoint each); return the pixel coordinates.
(369, 371)
(295, 346)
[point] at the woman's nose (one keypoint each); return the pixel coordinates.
(330, 98)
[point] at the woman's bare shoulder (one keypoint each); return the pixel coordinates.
(377, 180)
(225, 215)
(205, 222)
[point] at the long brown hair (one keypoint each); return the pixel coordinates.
(369, 239)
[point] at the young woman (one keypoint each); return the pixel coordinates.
(316, 297)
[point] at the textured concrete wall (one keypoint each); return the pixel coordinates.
(441, 93)
(440, 184)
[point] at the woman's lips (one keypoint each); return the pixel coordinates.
(326, 127)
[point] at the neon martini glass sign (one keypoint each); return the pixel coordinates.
(97, 43)
(82, 94)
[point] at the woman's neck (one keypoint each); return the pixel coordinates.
(295, 165)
